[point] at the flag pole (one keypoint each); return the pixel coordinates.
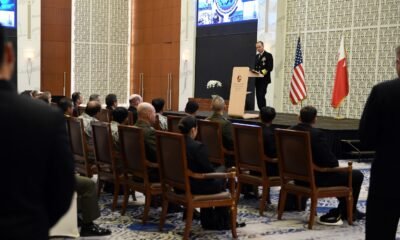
(338, 116)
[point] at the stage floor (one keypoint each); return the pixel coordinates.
(287, 120)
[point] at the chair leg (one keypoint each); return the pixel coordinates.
(99, 186)
(163, 213)
(299, 197)
(313, 210)
(350, 209)
(282, 202)
(116, 192)
(133, 193)
(146, 207)
(126, 199)
(233, 221)
(264, 198)
(189, 218)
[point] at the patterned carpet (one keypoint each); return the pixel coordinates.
(293, 226)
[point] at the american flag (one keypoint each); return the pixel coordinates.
(298, 91)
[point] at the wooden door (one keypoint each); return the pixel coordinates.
(56, 46)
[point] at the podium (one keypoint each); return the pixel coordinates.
(237, 100)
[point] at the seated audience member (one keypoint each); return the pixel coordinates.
(120, 116)
(46, 97)
(218, 106)
(36, 160)
(146, 119)
(323, 157)
(267, 115)
(191, 108)
(95, 97)
(27, 93)
(88, 206)
(89, 116)
(111, 101)
(77, 99)
(134, 101)
(158, 104)
(65, 104)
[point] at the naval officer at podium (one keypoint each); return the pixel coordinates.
(264, 64)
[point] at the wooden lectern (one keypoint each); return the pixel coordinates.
(240, 78)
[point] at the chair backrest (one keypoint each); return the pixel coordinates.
(210, 134)
(156, 124)
(103, 143)
(133, 150)
(171, 153)
(294, 155)
(105, 115)
(131, 118)
(78, 144)
(249, 148)
(81, 110)
(173, 122)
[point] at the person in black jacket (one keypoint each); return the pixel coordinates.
(197, 157)
(264, 63)
(380, 131)
(267, 115)
(323, 157)
(38, 170)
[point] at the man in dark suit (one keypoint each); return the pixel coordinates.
(380, 130)
(37, 164)
(264, 64)
(323, 157)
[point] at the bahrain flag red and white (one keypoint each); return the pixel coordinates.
(341, 86)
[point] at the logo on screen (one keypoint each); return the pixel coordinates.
(226, 6)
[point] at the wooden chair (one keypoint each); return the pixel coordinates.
(105, 115)
(136, 167)
(81, 110)
(210, 134)
(174, 172)
(250, 156)
(296, 164)
(79, 146)
(131, 118)
(173, 122)
(106, 159)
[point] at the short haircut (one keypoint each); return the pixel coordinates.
(217, 104)
(158, 104)
(75, 97)
(64, 104)
(260, 42)
(45, 96)
(119, 114)
(186, 124)
(135, 97)
(111, 99)
(267, 114)
(191, 107)
(92, 108)
(308, 114)
(94, 97)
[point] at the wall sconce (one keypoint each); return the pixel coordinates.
(29, 55)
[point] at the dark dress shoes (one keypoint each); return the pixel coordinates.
(93, 230)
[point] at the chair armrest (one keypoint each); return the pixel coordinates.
(212, 175)
(151, 164)
(335, 169)
(271, 160)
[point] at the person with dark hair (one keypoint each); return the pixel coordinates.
(323, 157)
(379, 130)
(111, 101)
(134, 101)
(191, 108)
(65, 104)
(158, 104)
(77, 100)
(27, 93)
(89, 116)
(120, 116)
(37, 163)
(267, 115)
(264, 63)
(95, 97)
(45, 97)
